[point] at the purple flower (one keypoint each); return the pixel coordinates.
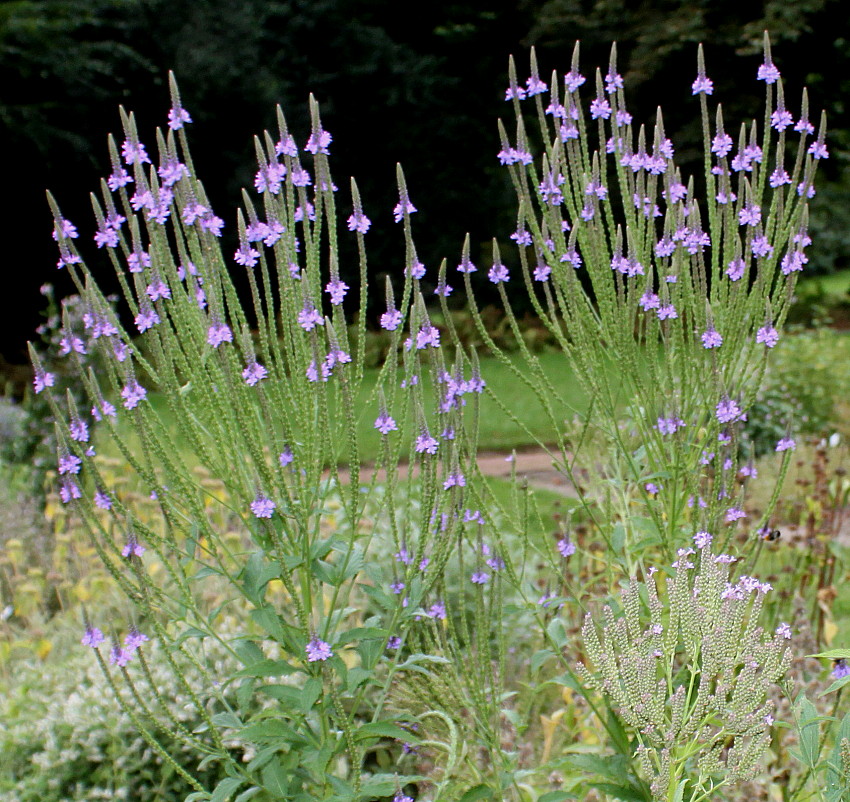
(761, 247)
(138, 261)
(318, 650)
(79, 430)
(781, 119)
(651, 488)
(426, 444)
(359, 222)
(120, 178)
(783, 631)
(132, 394)
(702, 84)
(337, 290)
(132, 548)
(102, 501)
(69, 464)
(542, 272)
(736, 269)
(600, 107)
(466, 266)
(455, 479)
(263, 507)
(515, 92)
(498, 273)
(397, 587)
(177, 116)
(158, 289)
(721, 144)
(668, 311)
(402, 208)
(841, 669)
(254, 373)
(106, 408)
(285, 457)
(573, 80)
(437, 610)
(146, 319)
(819, 150)
(480, 578)
(120, 657)
(768, 73)
(702, 540)
(385, 424)
(649, 300)
(246, 255)
(394, 642)
(750, 215)
(219, 333)
(669, 425)
(613, 82)
(779, 177)
(391, 319)
(566, 548)
(767, 335)
(318, 142)
(309, 318)
(135, 639)
(728, 411)
(69, 490)
(93, 637)
(734, 514)
(401, 796)
(711, 338)
(134, 152)
(786, 444)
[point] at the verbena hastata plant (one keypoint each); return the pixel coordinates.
(345, 577)
(666, 293)
(390, 601)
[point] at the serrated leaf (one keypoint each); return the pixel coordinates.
(809, 733)
(540, 657)
(246, 795)
(227, 720)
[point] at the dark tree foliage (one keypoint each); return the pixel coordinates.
(421, 84)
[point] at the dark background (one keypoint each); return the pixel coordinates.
(418, 83)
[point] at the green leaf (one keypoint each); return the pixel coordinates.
(555, 796)
(384, 729)
(311, 691)
(613, 767)
(383, 600)
(833, 654)
(225, 788)
(809, 733)
(283, 693)
(557, 632)
(246, 795)
(622, 792)
(839, 683)
(356, 677)
(540, 657)
(477, 792)
(256, 574)
(275, 779)
(413, 661)
(266, 668)
(227, 720)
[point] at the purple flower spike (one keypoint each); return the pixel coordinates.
(767, 335)
(786, 444)
(703, 85)
(254, 373)
(135, 639)
(132, 394)
(219, 333)
(263, 507)
(728, 411)
(498, 273)
(768, 73)
(318, 650)
(359, 222)
(177, 117)
(385, 424)
(93, 637)
(337, 290)
(132, 548)
(480, 578)
(711, 338)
